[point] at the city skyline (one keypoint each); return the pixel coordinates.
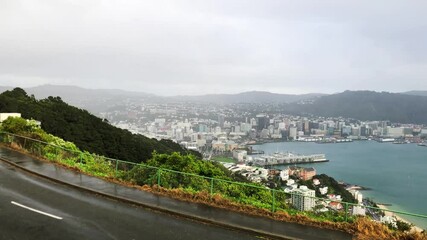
(193, 48)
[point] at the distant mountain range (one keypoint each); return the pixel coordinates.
(416, 93)
(87, 131)
(93, 100)
(406, 107)
(248, 97)
(99, 100)
(368, 105)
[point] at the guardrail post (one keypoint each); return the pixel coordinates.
(117, 166)
(25, 142)
(212, 185)
(56, 152)
(158, 176)
(273, 193)
(346, 211)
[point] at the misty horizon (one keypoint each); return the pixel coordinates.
(194, 95)
(193, 48)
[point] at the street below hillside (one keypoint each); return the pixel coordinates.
(34, 208)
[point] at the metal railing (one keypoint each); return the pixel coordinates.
(143, 174)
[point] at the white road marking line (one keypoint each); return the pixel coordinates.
(35, 210)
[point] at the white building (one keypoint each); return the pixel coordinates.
(293, 133)
(357, 195)
(387, 219)
(359, 210)
(289, 182)
(201, 142)
(190, 145)
(316, 182)
(4, 116)
(160, 122)
(284, 174)
(303, 198)
(265, 133)
(323, 190)
(395, 132)
(240, 155)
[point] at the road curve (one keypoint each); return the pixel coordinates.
(220, 218)
(82, 215)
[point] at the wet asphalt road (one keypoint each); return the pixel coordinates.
(101, 218)
(86, 216)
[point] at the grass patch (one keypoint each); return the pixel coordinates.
(223, 159)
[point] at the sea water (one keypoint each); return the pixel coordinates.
(395, 173)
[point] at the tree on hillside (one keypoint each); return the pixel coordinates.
(15, 125)
(87, 131)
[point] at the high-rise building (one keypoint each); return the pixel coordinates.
(221, 120)
(262, 121)
(355, 131)
(203, 128)
(306, 127)
(303, 198)
(253, 122)
(293, 133)
(363, 131)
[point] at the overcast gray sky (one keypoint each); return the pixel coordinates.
(220, 46)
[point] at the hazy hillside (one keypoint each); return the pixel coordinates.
(367, 105)
(84, 129)
(100, 100)
(4, 88)
(416, 93)
(248, 97)
(408, 107)
(93, 100)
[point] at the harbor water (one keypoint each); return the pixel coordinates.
(395, 173)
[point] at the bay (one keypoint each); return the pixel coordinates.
(395, 173)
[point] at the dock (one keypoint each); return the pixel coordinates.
(288, 159)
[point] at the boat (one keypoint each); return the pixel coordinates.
(384, 140)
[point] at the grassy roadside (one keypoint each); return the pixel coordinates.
(362, 228)
(191, 188)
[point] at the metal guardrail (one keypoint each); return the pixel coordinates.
(116, 167)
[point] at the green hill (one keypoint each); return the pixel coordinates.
(87, 131)
(368, 105)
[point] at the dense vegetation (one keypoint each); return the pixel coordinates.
(87, 131)
(333, 187)
(162, 174)
(177, 170)
(53, 148)
(368, 105)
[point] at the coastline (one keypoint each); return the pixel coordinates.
(387, 213)
(351, 164)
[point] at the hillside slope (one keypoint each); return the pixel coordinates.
(84, 129)
(247, 97)
(416, 93)
(368, 105)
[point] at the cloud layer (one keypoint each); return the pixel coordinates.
(195, 47)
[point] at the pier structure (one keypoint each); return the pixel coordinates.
(287, 159)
